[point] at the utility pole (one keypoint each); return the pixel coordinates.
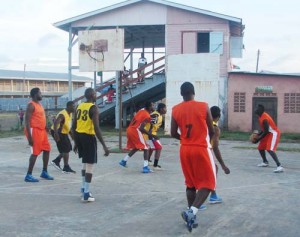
(24, 80)
(257, 60)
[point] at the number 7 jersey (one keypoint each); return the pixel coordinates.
(190, 117)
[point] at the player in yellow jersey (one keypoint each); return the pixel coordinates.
(216, 114)
(152, 127)
(60, 131)
(86, 129)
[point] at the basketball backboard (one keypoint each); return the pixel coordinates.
(101, 50)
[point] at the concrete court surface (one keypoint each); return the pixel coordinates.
(256, 202)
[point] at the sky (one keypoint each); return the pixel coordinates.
(29, 37)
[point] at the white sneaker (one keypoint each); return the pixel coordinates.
(263, 165)
(279, 169)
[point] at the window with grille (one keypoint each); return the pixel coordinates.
(291, 102)
(239, 102)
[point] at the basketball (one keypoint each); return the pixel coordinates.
(253, 137)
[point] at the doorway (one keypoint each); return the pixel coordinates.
(270, 104)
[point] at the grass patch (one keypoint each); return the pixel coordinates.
(244, 136)
(278, 148)
(12, 133)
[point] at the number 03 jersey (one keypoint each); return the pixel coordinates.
(191, 119)
(84, 122)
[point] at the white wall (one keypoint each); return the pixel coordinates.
(202, 70)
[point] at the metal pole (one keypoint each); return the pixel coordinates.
(24, 80)
(120, 110)
(70, 65)
(258, 52)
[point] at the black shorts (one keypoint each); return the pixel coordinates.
(87, 148)
(64, 144)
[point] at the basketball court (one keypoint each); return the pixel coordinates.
(256, 202)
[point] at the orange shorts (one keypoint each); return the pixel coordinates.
(135, 140)
(269, 142)
(40, 140)
(198, 167)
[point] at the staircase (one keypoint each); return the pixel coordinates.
(153, 89)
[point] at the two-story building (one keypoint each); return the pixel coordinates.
(199, 44)
(15, 86)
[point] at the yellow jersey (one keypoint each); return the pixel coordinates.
(156, 122)
(84, 122)
(65, 125)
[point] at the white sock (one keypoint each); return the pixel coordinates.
(86, 187)
(145, 163)
(194, 209)
(83, 181)
(126, 157)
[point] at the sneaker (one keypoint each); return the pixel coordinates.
(279, 169)
(158, 167)
(30, 178)
(67, 169)
(202, 207)
(215, 199)
(263, 164)
(123, 163)
(87, 197)
(189, 218)
(56, 164)
(146, 170)
(45, 175)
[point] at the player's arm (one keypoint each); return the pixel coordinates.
(95, 118)
(60, 118)
(174, 129)
(264, 132)
(209, 122)
(215, 142)
(73, 131)
(143, 130)
(28, 115)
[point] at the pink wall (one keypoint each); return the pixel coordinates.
(247, 82)
(179, 21)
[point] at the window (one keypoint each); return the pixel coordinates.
(210, 42)
(291, 102)
(239, 102)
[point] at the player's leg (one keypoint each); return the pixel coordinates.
(265, 162)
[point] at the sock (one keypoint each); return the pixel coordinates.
(126, 157)
(145, 163)
(155, 163)
(86, 187)
(83, 181)
(194, 209)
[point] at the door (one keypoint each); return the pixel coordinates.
(270, 105)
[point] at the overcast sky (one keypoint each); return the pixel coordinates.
(28, 36)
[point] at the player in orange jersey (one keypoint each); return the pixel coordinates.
(37, 136)
(135, 139)
(194, 121)
(268, 138)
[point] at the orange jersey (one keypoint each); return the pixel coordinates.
(38, 118)
(139, 118)
(272, 125)
(135, 139)
(190, 117)
(271, 140)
